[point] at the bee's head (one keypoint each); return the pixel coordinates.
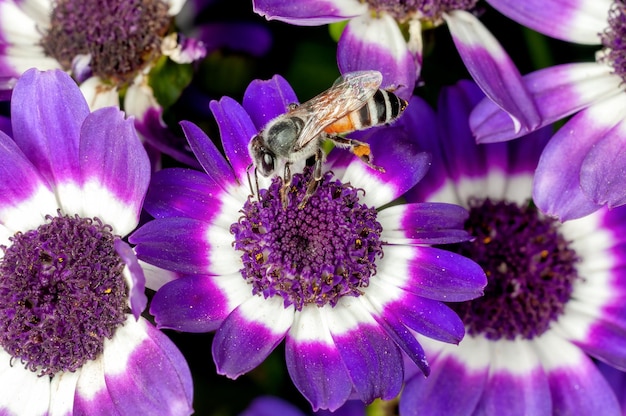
(264, 160)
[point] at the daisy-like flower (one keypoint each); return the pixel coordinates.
(374, 38)
(586, 159)
(71, 290)
(109, 48)
(316, 277)
(555, 292)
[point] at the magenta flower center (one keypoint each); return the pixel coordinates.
(311, 255)
(62, 294)
(614, 39)
(428, 10)
(529, 266)
(115, 39)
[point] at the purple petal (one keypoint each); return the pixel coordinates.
(561, 161)
(373, 361)
(248, 37)
(430, 318)
(49, 134)
(243, 342)
(190, 304)
(177, 244)
(580, 389)
(578, 21)
(19, 179)
(318, 371)
(398, 331)
(137, 298)
(442, 275)
(377, 43)
(606, 341)
(557, 91)
(156, 378)
(112, 157)
(528, 393)
(265, 100)
(492, 69)
(308, 13)
(214, 164)
(425, 223)
(602, 173)
(617, 380)
(236, 130)
(176, 192)
(451, 389)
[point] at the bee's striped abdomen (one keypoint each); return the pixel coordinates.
(383, 107)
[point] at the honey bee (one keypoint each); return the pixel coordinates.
(354, 102)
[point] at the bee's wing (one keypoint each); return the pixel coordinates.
(349, 93)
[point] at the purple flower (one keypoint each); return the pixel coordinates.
(71, 290)
(110, 48)
(314, 277)
(555, 292)
(582, 168)
(374, 38)
(106, 47)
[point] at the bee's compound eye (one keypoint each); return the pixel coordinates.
(267, 164)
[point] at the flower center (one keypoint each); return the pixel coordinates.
(310, 255)
(116, 37)
(614, 39)
(530, 271)
(427, 10)
(61, 294)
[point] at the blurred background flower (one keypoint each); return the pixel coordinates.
(555, 291)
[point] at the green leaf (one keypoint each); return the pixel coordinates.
(168, 79)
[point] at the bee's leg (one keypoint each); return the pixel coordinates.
(286, 184)
(256, 181)
(316, 177)
(360, 149)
